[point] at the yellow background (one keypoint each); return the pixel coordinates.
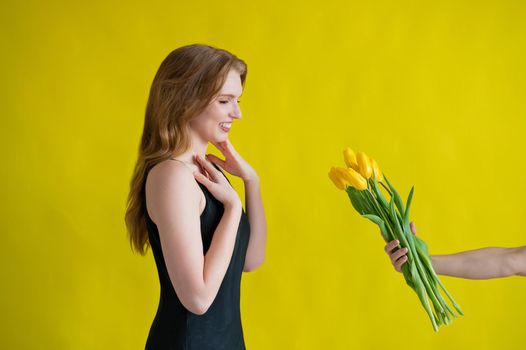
(433, 90)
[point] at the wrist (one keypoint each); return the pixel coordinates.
(233, 205)
(437, 264)
(517, 260)
(252, 178)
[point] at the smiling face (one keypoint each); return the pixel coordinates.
(214, 123)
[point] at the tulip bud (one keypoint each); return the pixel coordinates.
(376, 170)
(364, 165)
(350, 158)
(353, 177)
(336, 179)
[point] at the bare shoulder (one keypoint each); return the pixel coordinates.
(170, 184)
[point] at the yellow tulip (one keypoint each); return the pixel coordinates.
(364, 165)
(377, 172)
(337, 179)
(353, 177)
(350, 158)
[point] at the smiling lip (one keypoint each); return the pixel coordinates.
(225, 129)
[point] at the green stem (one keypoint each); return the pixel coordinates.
(387, 189)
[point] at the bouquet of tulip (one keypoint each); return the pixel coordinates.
(361, 179)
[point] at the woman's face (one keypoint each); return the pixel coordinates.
(214, 123)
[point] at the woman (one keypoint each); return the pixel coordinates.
(482, 263)
(182, 205)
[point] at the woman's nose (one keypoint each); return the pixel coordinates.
(236, 111)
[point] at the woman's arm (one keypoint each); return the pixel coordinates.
(258, 225)
(173, 201)
(236, 165)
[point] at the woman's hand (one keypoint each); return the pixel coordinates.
(398, 255)
(233, 162)
(216, 183)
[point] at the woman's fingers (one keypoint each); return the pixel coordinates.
(202, 169)
(221, 146)
(389, 247)
(218, 145)
(229, 147)
(208, 167)
(204, 180)
(218, 161)
(398, 264)
(231, 150)
(226, 148)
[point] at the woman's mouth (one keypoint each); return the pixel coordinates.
(225, 126)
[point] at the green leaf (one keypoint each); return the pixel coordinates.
(408, 205)
(377, 220)
(397, 198)
(420, 292)
(422, 245)
(407, 276)
(379, 196)
(356, 202)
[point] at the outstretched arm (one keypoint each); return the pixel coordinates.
(482, 263)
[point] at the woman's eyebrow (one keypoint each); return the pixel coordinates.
(230, 95)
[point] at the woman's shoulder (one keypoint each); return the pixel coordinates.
(168, 183)
(169, 172)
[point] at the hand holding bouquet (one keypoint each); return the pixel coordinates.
(361, 180)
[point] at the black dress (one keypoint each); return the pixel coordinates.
(174, 327)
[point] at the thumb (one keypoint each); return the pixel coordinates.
(413, 227)
(229, 147)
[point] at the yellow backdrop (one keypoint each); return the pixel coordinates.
(434, 90)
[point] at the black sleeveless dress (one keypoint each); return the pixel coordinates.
(174, 327)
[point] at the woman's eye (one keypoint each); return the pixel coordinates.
(223, 102)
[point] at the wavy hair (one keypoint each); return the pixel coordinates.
(185, 83)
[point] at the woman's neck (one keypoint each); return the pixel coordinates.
(198, 147)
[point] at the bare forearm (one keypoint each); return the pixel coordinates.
(483, 263)
(218, 256)
(258, 225)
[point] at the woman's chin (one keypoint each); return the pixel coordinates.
(221, 138)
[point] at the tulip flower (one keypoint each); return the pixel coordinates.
(337, 179)
(350, 158)
(353, 177)
(364, 165)
(376, 171)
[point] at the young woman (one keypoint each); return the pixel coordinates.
(183, 207)
(482, 263)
